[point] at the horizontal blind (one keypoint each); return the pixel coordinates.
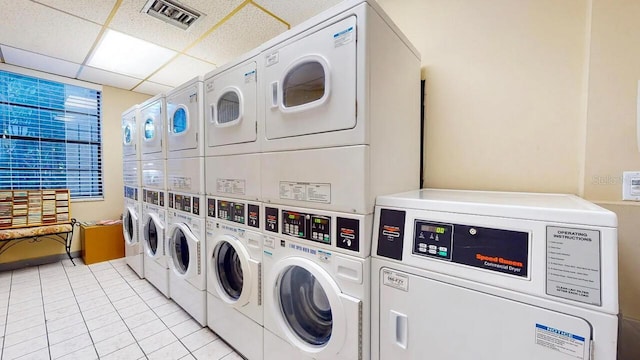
(50, 136)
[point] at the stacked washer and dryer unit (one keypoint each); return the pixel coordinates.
(341, 102)
(186, 249)
(132, 179)
(153, 113)
(234, 208)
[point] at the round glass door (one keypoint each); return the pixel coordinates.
(228, 108)
(128, 226)
(229, 270)
(127, 135)
(180, 251)
(151, 236)
(149, 130)
(304, 84)
(180, 121)
(305, 306)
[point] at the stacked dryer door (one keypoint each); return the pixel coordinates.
(341, 116)
(233, 146)
(154, 191)
(481, 275)
(132, 179)
(234, 274)
(316, 284)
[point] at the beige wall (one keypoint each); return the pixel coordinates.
(533, 95)
(115, 101)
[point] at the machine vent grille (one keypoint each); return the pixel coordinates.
(172, 12)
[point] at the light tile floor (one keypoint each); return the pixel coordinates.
(100, 311)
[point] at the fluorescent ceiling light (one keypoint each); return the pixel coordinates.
(124, 54)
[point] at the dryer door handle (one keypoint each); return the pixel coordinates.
(274, 94)
(399, 324)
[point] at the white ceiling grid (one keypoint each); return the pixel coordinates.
(58, 36)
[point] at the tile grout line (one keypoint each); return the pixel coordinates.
(44, 313)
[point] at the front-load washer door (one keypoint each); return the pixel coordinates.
(130, 226)
(235, 274)
(154, 235)
(311, 83)
(184, 251)
(312, 312)
(231, 111)
(129, 137)
(152, 129)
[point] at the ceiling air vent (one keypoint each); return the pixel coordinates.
(172, 12)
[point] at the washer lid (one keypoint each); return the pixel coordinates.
(184, 250)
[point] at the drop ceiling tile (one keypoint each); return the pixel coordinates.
(180, 70)
(37, 28)
(295, 14)
(248, 29)
(103, 77)
(131, 21)
(35, 61)
(96, 11)
(152, 88)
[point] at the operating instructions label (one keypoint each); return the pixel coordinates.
(312, 192)
(231, 186)
(573, 264)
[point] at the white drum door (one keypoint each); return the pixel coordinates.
(129, 137)
(130, 226)
(184, 250)
(230, 106)
(311, 311)
(152, 130)
(183, 114)
(235, 275)
(429, 319)
(311, 83)
(154, 237)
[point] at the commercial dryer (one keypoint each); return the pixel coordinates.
(492, 275)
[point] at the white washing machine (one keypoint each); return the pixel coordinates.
(489, 275)
(131, 220)
(234, 274)
(130, 134)
(232, 125)
(186, 254)
(153, 113)
(316, 284)
(154, 232)
(355, 103)
(185, 120)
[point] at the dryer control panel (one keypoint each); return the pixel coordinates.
(307, 226)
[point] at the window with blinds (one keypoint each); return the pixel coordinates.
(50, 136)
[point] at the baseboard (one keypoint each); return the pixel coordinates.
(20, 264)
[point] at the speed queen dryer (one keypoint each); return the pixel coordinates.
(186, 254)
(341, 111)
(233, 147)
(316, 284)
(130, 134)
(234, 274)
(497, 276)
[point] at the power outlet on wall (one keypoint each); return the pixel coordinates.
(631, 185)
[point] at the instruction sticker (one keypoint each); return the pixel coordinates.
(311, 192)
(180, 183)
(250, 77)
(573, 264)
(231, 186)
(562, 341)
(343, 37)
(209, 86)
